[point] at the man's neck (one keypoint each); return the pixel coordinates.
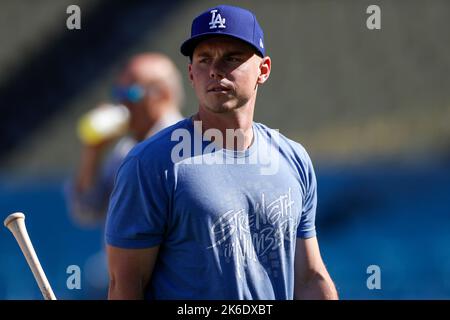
(239, 121)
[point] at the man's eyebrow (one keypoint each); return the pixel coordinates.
(203, 54)
(235, 53)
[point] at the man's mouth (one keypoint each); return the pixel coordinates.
(218, 88)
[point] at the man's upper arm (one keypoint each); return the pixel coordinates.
(312, 280)
(307, 258)
(130, 271)
(138, 208)
(307, 225)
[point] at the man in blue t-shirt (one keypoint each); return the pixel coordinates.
(217, 206)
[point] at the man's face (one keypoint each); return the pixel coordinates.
(143, 107)
(225, 73)
(138, 109)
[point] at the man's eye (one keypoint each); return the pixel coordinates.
(203, 60)
(233, 59)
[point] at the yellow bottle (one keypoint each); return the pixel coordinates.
(105, 122)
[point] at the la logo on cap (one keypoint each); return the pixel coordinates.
(216, 19)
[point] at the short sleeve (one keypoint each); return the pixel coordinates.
(307, 226)
(137, 213)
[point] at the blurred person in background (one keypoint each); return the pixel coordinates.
(150, 91)
(148, 95)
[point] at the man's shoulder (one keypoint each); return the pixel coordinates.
(294, 154)
(283, 143)
(159, 146)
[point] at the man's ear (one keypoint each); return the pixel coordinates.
(191, 77)
(264, 68)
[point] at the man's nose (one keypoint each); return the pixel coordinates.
(216, 70)
(131, 106)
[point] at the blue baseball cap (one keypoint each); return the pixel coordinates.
(225, 20)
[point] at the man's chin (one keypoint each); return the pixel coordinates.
(222, 107)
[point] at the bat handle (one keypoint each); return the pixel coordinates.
(15, 222)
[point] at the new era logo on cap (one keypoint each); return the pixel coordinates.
(225, 20)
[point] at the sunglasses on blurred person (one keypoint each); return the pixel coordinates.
(133, 93)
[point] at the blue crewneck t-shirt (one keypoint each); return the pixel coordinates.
(226, 221)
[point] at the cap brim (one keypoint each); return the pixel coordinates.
(187, 48)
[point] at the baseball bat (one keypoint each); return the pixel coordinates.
(15, 222)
